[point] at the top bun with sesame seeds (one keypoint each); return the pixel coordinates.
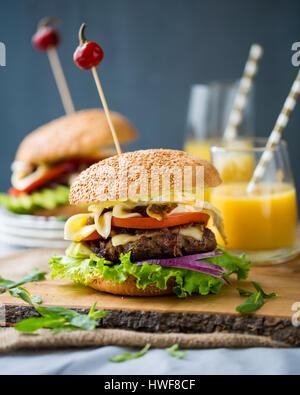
(132, 175)
(81, 133)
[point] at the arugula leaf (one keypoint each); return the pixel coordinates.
(242, 292)
(55, 311)
(94, 315)
(36, 275)
(175, 352)
(259, 289)
(74, 320)
(5, 284)
(22, 293)
(253, 303)
(255, 300)
(127, 356)
(33, 324)
(60, 319)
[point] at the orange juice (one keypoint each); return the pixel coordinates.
(199, 148)
(237, 166)
(265, 220)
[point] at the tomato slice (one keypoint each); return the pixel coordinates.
(50, 175)
(94, 236)
(14, 192)
(152, 223)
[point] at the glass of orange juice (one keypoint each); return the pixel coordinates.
(208, 113)
(264, 224)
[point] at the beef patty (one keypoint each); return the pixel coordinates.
(164, 243)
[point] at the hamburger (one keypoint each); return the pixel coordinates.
(143, 236)
(49, 159)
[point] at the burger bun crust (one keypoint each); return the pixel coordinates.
(96, 184)
(74, 135)
(129, 288)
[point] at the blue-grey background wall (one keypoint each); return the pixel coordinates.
(154, 50)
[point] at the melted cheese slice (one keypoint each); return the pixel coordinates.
(217, 217)
(125, 210)
(103, 223)
(193, 231)
(123, 239)
(77, 228)
(20, 179)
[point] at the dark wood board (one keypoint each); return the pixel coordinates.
(196, 314)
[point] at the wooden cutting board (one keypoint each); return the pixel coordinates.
(196, 314)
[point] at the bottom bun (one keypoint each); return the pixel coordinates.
(61, 211)
(129, 288)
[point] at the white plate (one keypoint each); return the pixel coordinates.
(30, 221)
(32, 242)
(32, 233)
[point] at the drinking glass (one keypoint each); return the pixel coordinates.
(209, 108)
(208, 113)
(263, 223)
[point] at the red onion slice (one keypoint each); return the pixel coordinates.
(192, 262)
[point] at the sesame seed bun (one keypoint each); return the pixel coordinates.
(116, 177)
(129, 288)
(73, 135)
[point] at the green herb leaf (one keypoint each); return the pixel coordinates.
(97, 314)
(58, 319)
(74, 319)
(33, 324)
(36, 275)
(57, 311)
(83, 322)
(175, 352)
(253, 303)
(21, 293)
(242, 292)
(127, 356)
(259, 289)
(5, 284)
(255, 300)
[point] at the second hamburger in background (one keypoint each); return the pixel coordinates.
(49, 158)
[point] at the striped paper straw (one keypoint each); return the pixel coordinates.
(276, 134)
(236, 115)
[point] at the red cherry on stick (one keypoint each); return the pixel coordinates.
(88, 54)
(46, 37)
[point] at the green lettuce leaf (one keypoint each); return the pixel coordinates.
(86, 266)
(42, 199)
